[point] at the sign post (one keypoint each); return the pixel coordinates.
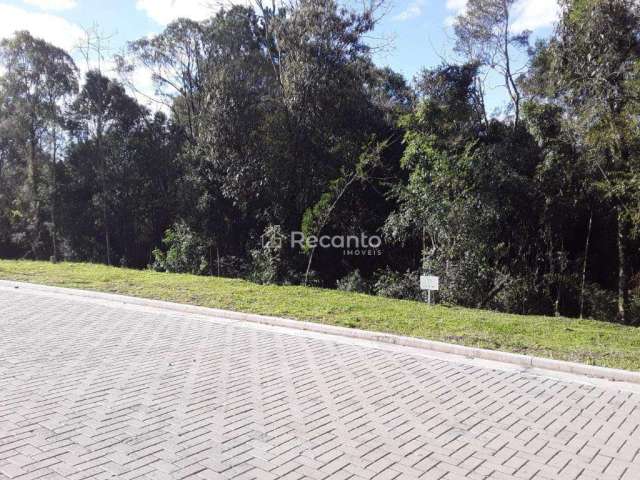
(430, 283)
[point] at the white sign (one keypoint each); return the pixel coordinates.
(429, 282)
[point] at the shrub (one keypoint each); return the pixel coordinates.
(599, 303)
(267, 265)
(186, 252)
(398, 285)
(522, 295)
(353, 282)
(230, 266)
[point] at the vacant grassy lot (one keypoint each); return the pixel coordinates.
(586, 341)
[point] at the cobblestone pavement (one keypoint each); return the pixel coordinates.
(98, 390)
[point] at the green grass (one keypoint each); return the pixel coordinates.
(585, 341)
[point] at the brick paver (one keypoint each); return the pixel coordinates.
(95, 390)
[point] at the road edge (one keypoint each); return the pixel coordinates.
(526, 361)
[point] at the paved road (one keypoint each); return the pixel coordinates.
(97, 390)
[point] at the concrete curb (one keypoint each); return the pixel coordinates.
(526, 361)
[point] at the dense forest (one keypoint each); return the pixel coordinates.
(275, 119)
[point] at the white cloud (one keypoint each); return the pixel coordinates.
(52, 28)
(140, 85)
(457, 6)
(165, 11)
(53, 4)
(527, 14)
(533, 15)
(413, 10)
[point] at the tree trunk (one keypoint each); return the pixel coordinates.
(106, 232)
(553, 274)
(584, 263)
(52, 200)
(33, 184)
(556, 304)
(103, 181)
(32, 174)
(493, 292)
(512, 86)
(623, 291)
(308, 270)
(324, 222)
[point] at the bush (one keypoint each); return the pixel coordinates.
(353, 282)
(267, 265)
(464, 279)
(599, 303)
(230, 266)
(522, 295)
(634, 310)
(186, 252)
(398, 285)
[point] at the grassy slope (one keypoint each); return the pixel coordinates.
(586, 341)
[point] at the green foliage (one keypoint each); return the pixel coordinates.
(353, 282)
(485, 37)
(460, 189)
(36, 84)
(590, 70)
(316, 218)
(398, 285)
(268, 265)
(185, 252)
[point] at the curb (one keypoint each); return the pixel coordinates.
(526, 361)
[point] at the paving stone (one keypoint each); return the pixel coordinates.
(93, 389)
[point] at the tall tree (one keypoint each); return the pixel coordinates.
(594, 60)
(101, 106)
(485, 37)
(37, 78)
(288, 96)
(178, 61)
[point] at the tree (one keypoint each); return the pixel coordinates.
(471, 201)
(436, 206)
(564, 179)
(178, 60)
(319, 215)
(38, 78)
(321, 65)
(103, 108)
(593, 59)
(288, 96)
(485, 38)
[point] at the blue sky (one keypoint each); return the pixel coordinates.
(412, 34)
